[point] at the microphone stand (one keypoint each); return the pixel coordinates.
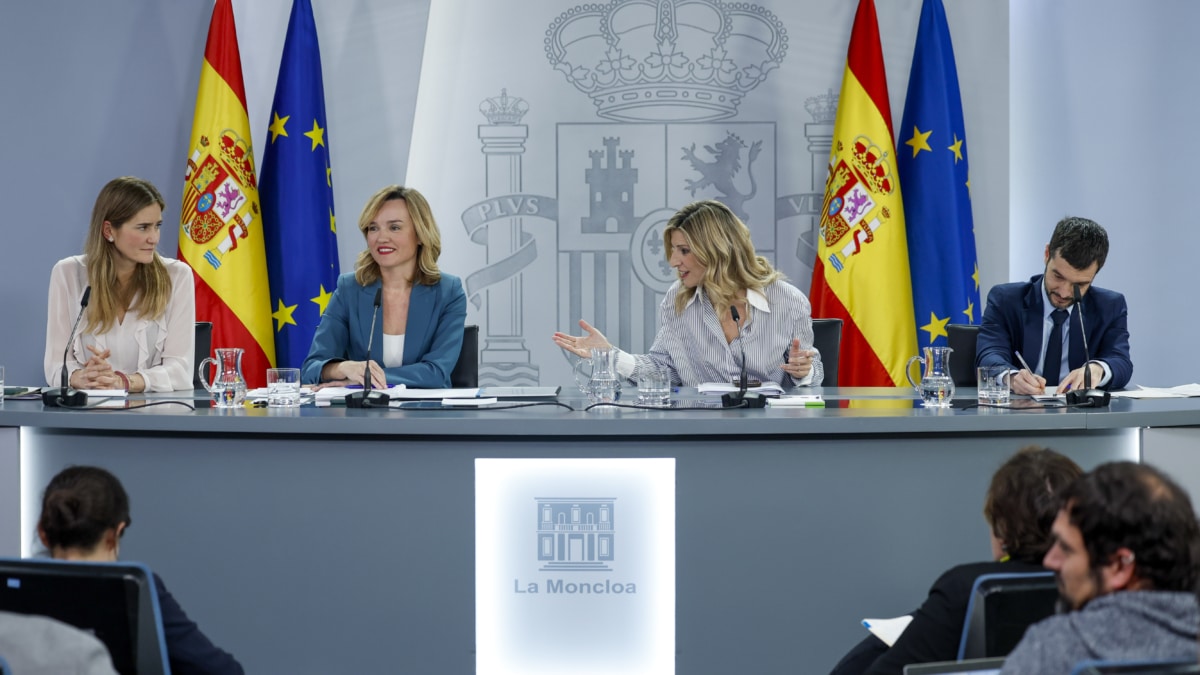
(1088, 397)
(369, 398)
(743, 398)
(64, 396)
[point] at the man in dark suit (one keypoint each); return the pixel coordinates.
(1038, 323)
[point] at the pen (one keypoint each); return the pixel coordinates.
(1022, 360)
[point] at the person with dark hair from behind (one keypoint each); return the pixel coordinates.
(1126, 553)
(1020, 505)
(1038, 318)
(85, 512)
(39, 645)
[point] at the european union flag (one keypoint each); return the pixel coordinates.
(296, 190)
(936, 188)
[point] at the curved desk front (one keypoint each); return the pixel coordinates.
(332, 540)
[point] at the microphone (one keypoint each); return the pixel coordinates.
(367, 398)
(64, 395)
(1088, 397)
(742, 398)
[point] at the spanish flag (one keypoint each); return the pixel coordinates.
(220, 222)
(861, 272)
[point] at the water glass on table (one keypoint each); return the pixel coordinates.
(654, 386)
(994, 385)
(283, 387)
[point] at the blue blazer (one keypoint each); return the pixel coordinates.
(1013, 321)
(432, 341)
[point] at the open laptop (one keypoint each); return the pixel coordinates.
(974, 666)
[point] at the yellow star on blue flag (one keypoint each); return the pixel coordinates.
(296, 193)
(937, 199)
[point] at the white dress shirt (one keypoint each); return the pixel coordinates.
(160, 350)
(692, 344)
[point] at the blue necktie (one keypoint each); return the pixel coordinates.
(1053, 361)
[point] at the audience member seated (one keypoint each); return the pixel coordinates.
(1125, 551)
(1019, 508)
(36, 645)
(85, 512)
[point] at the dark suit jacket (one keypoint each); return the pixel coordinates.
(189, 651)
(936, 628)
(1013, 322)
(432, 340)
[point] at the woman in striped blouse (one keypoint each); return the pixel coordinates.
(698, 338)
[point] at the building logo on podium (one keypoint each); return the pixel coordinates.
(575, 535)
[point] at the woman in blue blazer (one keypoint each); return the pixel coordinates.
(418, 338)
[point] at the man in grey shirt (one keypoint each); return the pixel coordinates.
(1125, 550)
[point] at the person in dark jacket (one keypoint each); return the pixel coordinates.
(85, 512)
(1019, 508)
(1126, 554)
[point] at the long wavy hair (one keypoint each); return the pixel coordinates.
(721, 242)
(429, 239)
(118, 202)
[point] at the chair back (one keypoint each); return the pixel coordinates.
(827, 338)
(961, 337)
(1002, 606)
(466, 372)
(116, 602)
(1171, 667)
(203, 350)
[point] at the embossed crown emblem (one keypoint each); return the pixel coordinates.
(822, 107)
(666, 60)
(504, 109)
(871, 165)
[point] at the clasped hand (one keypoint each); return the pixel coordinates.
(96, 373)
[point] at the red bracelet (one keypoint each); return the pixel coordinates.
(124, 379)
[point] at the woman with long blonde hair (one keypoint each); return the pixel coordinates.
(419, 334)
(138, 330)
(719, 272)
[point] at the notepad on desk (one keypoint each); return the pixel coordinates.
(338, 394)
(768, 388)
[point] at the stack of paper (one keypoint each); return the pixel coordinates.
(1181, 391)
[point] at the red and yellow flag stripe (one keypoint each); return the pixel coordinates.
(861, 273)
(220, 220)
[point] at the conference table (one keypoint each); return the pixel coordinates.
(318, 540)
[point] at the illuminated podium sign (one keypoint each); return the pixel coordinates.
(575, 566)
